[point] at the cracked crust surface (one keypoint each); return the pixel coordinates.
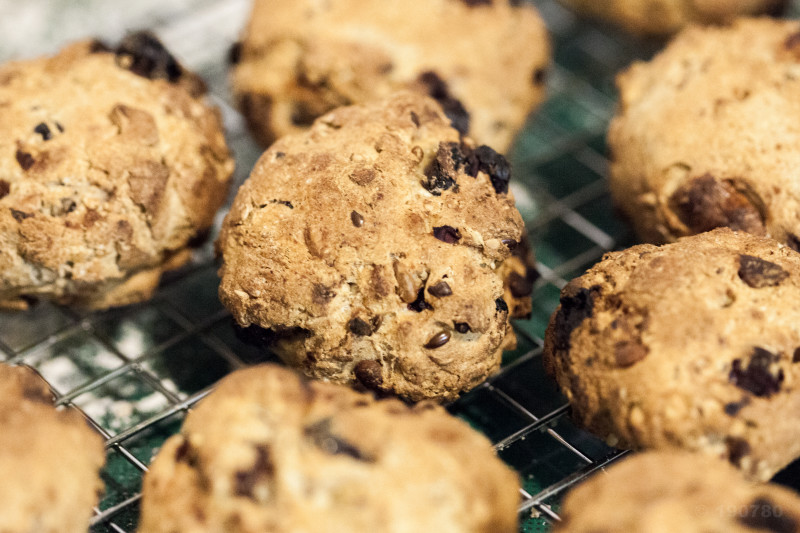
(110, 164)
(678, 492)
(50, 459)
(705, 134)
(691, 345)
(269, 451)
(663, 17)
(484, 60)
(371, 245)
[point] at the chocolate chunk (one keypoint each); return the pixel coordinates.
(356, 219)
(627, 353)
(440, 174)
(447, 234)
(5, 188)
(758, 273)
(321, 295)
(738, 449)
(245, 481)
(369, 373)
(733, 408)
(520, 286)
(462, 327)
(438, 340)
(501, 306)
(359, 327)
(757, 376)
(576, 306)
(452, 107)
(420, 304)
(321, 435)
(496, 166)
(762, 514)
(235, 53)
(706, 203)
(144, 55)
(440, 290)
(43, 130)
(19, 216)
(539, 75)
(24, 159)
(796, 356)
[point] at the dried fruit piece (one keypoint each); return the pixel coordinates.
(438, 340)
(453, 108)
(706, 203)
(447, 234)
(757, 377)
(369, 373)
(245, 481)
(764, 515)
(144, 55)
(359, 327)
(356, 219)
(758, 273)
(440, 290)
(576, 306)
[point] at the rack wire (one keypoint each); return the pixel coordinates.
(136, 371)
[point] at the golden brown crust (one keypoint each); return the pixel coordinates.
(691, 345)
(268, 451)
(377, 235)
(301, 59)
(105, 176)
(676, 491)
(49, 459)
(705, 134)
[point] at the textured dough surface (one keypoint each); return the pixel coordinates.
(664, 492)
(269, 451)
(692, 345)
(371, 246)
(106, 175)
(49, 459)
(706, 134)
(484, 60)
(662, 17)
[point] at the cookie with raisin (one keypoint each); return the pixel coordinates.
(691, 345)
(705, 135)
(372, 247)
(112, 162)
(484, 61)
(269, 451)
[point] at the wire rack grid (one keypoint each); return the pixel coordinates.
(136, 371)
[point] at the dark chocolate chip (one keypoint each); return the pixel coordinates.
(520, 286)
(539, 75)
(627, 353)
(235, 53)
(5, 188)
(440, 174)
(356, 219)
(245, 481)
(757, 377)
(501, 306)
(511, 244)
(733, 408)
(44, 131)
(496, 166)
(462, 327)
(321, 295)
(758, 273)
(738, 449)
(24, 159)
(19, 216)
(447, 234)
(764, 515)
(321, 435)
(144, 55)
(576, 306)
(796, 356)
(452, 107)
(705, 203)
(440, 290)
(369, 373)
(438, 340)
(359, 327)
(420, 304)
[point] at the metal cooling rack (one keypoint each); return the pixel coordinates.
(136, 371)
